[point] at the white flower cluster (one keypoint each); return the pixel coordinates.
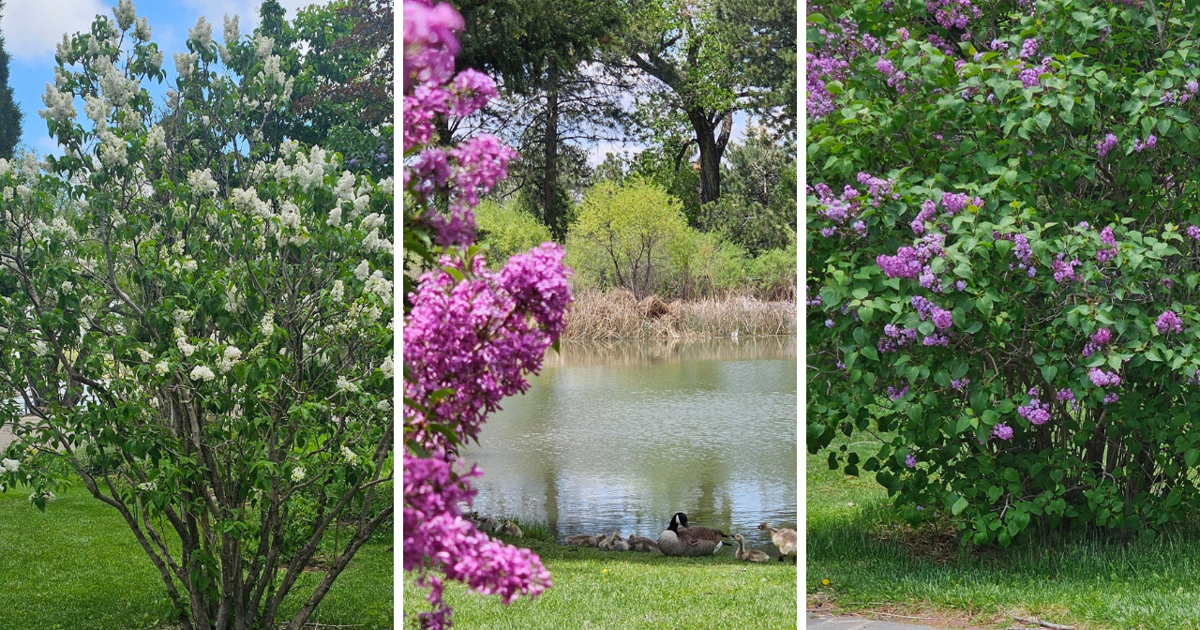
(263, 46)
(362, 270)
(9, 465)
(201, 33)
(388, 368)
(96, 108)
(59, 105)
(182, 316)
(202, 182)
(232, 34)
(202, 373)
(162, 368)
(24, 192)
(146, 356)
(345, 385)
(112, 150)
(114, 85)
(229, 359)
(247, 201)
(142, 33)
(125, 14)
(156, 140)
(349, 456)
(182, 343)
(338, 291)
(380, 286)
(30, 166)
(298, 474)
(234, 301)
(41, 347)
(335, 217)
(267, 324)
(148, 486)
(307, 170)
(184, 64)
(62, 51)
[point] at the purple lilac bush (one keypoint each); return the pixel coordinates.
(1016, 300)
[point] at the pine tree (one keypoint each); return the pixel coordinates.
(10, 115)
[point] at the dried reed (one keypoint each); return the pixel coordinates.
(618, 314)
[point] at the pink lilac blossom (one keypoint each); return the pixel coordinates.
(1107, 144)
(1002, 431)
(430, 45)
(959, 384)
(928, 209)
(1029, 48)
(1150, 142)
(935, 340)
(1106, 237)
(910, 461)
(1193, 232)
(897, 394)
(1111, 397)
(1064, 394)
(436, 537)
(1169, 322)
(1098, 340)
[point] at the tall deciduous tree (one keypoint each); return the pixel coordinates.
(706, 69)
(10, 115)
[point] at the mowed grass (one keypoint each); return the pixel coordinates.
(599, 590)
(77, 566)
(1091, 581)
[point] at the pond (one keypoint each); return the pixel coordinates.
(621, 436)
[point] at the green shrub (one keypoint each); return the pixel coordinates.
(506, 230)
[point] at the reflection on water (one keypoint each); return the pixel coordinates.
(621, 436)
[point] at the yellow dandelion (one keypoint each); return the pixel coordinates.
(825, 582)
(604, 571)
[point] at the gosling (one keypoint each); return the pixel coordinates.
(752, 555)
(640, 543)
(584, 540)
(510, 528)
(618, 543)
(784, 539)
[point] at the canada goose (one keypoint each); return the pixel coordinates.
(753, 555)
(640, 543)
(584, 540)
(784, 539)
(510, 528)
(680, 540)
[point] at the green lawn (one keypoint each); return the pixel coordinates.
(1094, 582)
(598, 590)
(77, 566)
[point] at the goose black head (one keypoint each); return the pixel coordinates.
(677, 521)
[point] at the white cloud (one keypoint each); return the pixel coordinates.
(32, 29)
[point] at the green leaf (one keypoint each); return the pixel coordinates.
(959, 505)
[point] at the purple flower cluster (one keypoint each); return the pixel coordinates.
(1169, 97)
(1169, 322)
(1149, 143)
(878, 189)
(905, 264)
(1064, 394)
(1108, 253)
(1102, 378)
(1036, 412)
(895, 337)
(436, 537)
(1107, 144)
(928, 209)
(953, 13)
(1029, 48)
(959, 384)
(1064, 271)
(953, 203)
(1193, 232)
(1029, 76)
(430, 45)
(936, 340)
(1099, 339)
(1002, 431)
(910, 461)
(897, 394)
(1111, 397)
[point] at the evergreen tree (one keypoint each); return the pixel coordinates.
(10, 115)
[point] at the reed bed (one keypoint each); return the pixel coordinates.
(633, 352)
(618, 314)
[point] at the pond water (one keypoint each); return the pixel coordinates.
(621, 436)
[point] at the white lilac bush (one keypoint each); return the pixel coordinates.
(199, 326)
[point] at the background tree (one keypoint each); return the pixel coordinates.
(758, 209)
(10, 115)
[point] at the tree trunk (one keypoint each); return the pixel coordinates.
(712, 136)
(550, 174)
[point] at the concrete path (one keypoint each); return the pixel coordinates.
(817, 621)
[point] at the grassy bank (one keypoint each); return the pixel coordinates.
(618, 314)
(875, 563)
(593, 589)
(77, 566)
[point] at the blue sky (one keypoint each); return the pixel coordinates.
(32, 28)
